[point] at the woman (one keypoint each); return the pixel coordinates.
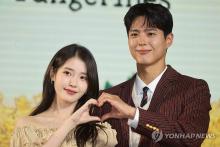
(63, 118)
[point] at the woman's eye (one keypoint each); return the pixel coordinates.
(67, 73)
(83, 78)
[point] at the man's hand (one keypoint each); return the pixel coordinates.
(119, 110)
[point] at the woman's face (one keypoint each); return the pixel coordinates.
(70, 81)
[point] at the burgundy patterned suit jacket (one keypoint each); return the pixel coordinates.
(180, 104)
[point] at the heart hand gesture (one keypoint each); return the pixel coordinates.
(119, 110)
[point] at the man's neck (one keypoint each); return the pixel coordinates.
(149, 73)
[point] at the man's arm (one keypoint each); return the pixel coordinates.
(193, 119)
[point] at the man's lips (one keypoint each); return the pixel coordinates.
(70, 91)
(143, 51)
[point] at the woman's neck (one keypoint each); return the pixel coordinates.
(62, 109)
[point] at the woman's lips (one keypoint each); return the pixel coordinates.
(69, 91)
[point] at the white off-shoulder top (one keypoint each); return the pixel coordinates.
(32, 136)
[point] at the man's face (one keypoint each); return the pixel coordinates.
(147, 45)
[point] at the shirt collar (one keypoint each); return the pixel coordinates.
(139, 84)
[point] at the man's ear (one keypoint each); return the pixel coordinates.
(169, 39)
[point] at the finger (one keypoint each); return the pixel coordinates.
(107, 116)
(103, 95)
(104, 98)
(87, 105)
(91, 101)
(106, 93)
(94, 118)
(101, 99)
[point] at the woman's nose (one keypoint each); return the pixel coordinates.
(73, 81)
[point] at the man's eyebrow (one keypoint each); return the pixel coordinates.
(133, 30)
(147, 29)
(151, 29)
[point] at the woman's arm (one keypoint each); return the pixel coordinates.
(79, 117)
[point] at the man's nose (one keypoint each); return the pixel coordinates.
(142, 40)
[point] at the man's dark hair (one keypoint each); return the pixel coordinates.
(156, 16)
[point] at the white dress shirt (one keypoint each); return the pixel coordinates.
(137, 95)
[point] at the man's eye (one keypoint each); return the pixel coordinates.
(151, 34)
(133, 34)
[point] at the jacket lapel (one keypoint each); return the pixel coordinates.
(126, 91)
(164, 86)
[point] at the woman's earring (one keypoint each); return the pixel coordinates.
(52, 82)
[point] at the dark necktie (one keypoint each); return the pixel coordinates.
(144, 99)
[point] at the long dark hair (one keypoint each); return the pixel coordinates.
(83, 132)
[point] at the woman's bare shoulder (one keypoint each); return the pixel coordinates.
(36, 120)
(24, 121)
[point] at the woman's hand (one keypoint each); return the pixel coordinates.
(82, 115)
(79, 117)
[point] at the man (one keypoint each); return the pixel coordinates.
(157, 101)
